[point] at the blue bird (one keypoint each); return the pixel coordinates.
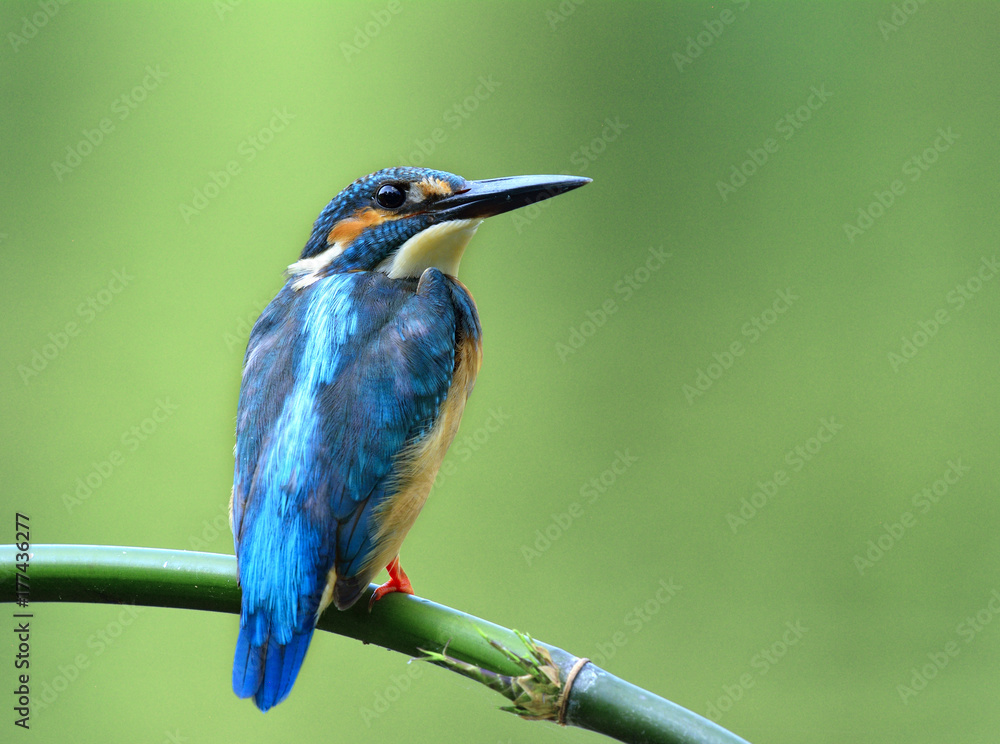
(354, 381)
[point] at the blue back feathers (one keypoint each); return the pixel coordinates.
(339, 377)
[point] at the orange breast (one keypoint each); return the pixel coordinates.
(417, 466)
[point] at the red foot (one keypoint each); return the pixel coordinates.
(398, 582)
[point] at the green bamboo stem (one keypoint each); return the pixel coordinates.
(490, 653)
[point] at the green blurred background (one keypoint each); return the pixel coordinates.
(628, 403)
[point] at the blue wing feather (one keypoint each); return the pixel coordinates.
(338, 378)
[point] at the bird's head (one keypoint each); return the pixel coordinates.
(402, 221)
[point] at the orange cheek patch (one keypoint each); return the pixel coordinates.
(348, 229)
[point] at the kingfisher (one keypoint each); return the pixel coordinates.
(354, 382)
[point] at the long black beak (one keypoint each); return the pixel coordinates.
(498, 195)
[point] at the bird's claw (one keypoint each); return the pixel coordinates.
(398, 582)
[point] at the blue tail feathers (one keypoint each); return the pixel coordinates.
(266, 670)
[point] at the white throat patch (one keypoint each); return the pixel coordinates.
(440, 246)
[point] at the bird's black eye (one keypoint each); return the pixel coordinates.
(390, 196)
